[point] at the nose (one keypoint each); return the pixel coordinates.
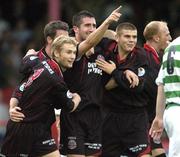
(132, 39)
(170, 38)
(73, 56)
(92, 28)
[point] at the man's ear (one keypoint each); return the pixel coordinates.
(116, 37)
(56, 54)
(156, 38)
(75, 29)
(49, 40)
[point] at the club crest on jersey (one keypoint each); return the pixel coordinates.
(141, 71)
(100, 57)
(69, 94)
(72, 144)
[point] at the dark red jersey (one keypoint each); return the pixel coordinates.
(151, 87)
(43, 91)
(123, 98)
(85, 77)
(28, 63)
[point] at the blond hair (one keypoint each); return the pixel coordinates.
(60, 41)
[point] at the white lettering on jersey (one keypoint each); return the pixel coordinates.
(33, 58)
(92, 68)
(46, 65)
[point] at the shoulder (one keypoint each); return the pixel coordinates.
(107, 45)
(106, 42)
(139, 55)
(139, 51)
(56, 80)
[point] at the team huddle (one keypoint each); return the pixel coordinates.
(106, 88)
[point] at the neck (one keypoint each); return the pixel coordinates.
(78, 38)
(122, 54)
(63, 69)
(48, 50)
(153, 45)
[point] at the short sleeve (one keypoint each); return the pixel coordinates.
(159, 79)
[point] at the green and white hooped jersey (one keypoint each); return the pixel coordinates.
(169, 74)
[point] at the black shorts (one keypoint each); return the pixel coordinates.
(125, 134)
(81, 132)
(155, 145)
(27, 140)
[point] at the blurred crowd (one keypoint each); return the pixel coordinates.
(21, 28)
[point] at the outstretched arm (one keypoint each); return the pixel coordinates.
(94, 38)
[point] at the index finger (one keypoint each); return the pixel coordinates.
(137, 81)
(111, 62)
(118, 9)
(102, 60)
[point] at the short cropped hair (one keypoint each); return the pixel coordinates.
(126, 26)
(51, 28)
(152, 29)
(77, 18)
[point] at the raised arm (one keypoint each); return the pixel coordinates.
(94, 38)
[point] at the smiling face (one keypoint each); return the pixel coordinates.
(64, 51)
(66, 56)
(127, 40)
(87, 26)
(157, 35)
(126, 37)
(164, 37)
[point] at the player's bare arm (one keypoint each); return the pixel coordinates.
(14, 111)
(157, 125)
(110, 66)
(94, 38)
